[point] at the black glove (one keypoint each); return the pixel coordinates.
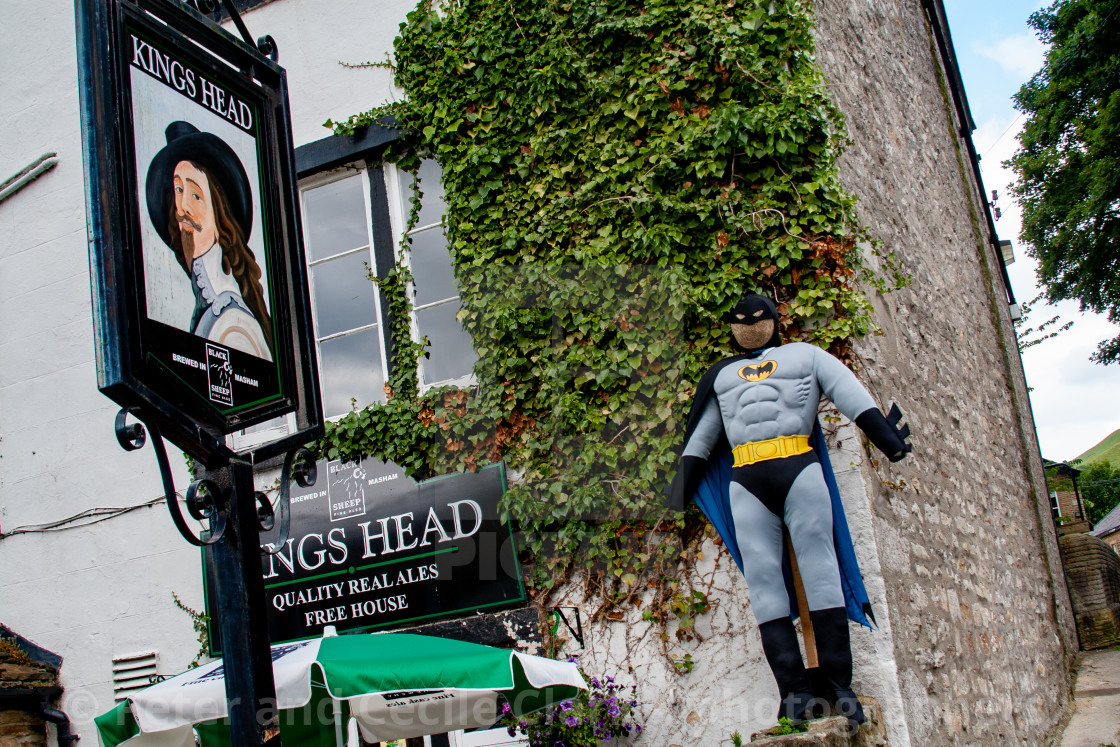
(884, 431)
(685, 482)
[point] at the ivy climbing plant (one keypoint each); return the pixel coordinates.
(618, 173)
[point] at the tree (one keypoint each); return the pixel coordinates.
(1100, 490)
(1029, 335)
(1068, 162)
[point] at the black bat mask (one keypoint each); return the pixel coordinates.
(752, 310)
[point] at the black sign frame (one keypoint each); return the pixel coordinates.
(141, 56)
(356, 583)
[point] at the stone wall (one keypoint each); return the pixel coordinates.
(979, 611)
(22, 729)
(1093, 572)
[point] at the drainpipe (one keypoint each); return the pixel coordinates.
(61, 722)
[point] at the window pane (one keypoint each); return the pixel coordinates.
(432, 204)
(351, 368)
(452, 354)
(280, 422)
(431, 267)
(335, 217)
(344, 294)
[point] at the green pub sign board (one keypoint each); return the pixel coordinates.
(372, 549)
(200, 297)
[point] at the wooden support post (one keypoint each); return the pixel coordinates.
(807, 634)
(247, 657)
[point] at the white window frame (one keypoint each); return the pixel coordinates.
(398, 219)
(361, 171)
(398, 211)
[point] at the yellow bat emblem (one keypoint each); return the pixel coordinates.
(757, 371)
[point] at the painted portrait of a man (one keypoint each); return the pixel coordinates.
(200, 204)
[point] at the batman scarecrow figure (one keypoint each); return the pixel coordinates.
(754, 460)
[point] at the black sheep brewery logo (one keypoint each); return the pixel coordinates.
(758, 371)
(219, 371)
(346, 489)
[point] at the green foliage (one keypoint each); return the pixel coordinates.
(617, 174)
(1068, 162)
(1100, 489)
(736, 739)
(785, 726)
(200, 623)
(10, 651)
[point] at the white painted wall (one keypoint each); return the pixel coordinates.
(93, 593)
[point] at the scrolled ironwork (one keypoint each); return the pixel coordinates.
(203, 497)
(299, 465)
(130, 437)
(201, 500)
(266, 45)
(266, 514)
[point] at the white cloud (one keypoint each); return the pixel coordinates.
(1074, 400)
(1020, 56)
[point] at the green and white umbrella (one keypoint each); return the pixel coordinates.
(390, 686)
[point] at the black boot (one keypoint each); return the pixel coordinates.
(779, 642)
(834, 652)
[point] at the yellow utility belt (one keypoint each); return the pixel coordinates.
(771, 448)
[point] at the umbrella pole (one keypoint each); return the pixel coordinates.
(243, 624)
(337, 706)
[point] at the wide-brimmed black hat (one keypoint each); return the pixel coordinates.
(186, 143)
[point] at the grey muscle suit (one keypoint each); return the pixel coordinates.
(782, 400)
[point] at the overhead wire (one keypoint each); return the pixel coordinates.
(82, 519)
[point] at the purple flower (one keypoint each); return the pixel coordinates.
(614, 710)
(571, 720)
(512, 731)
(595, 682)
(566, 705)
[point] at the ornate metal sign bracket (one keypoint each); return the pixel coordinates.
(299, 465)
(266, 45)
(204, 498)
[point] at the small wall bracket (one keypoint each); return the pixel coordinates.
(556, 614)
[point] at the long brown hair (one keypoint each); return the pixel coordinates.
(237, 257)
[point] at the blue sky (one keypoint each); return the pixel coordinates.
(1075, 401)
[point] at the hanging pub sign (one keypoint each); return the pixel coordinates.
(371, 549)
(201, 309)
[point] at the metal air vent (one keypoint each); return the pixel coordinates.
(133, 673)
